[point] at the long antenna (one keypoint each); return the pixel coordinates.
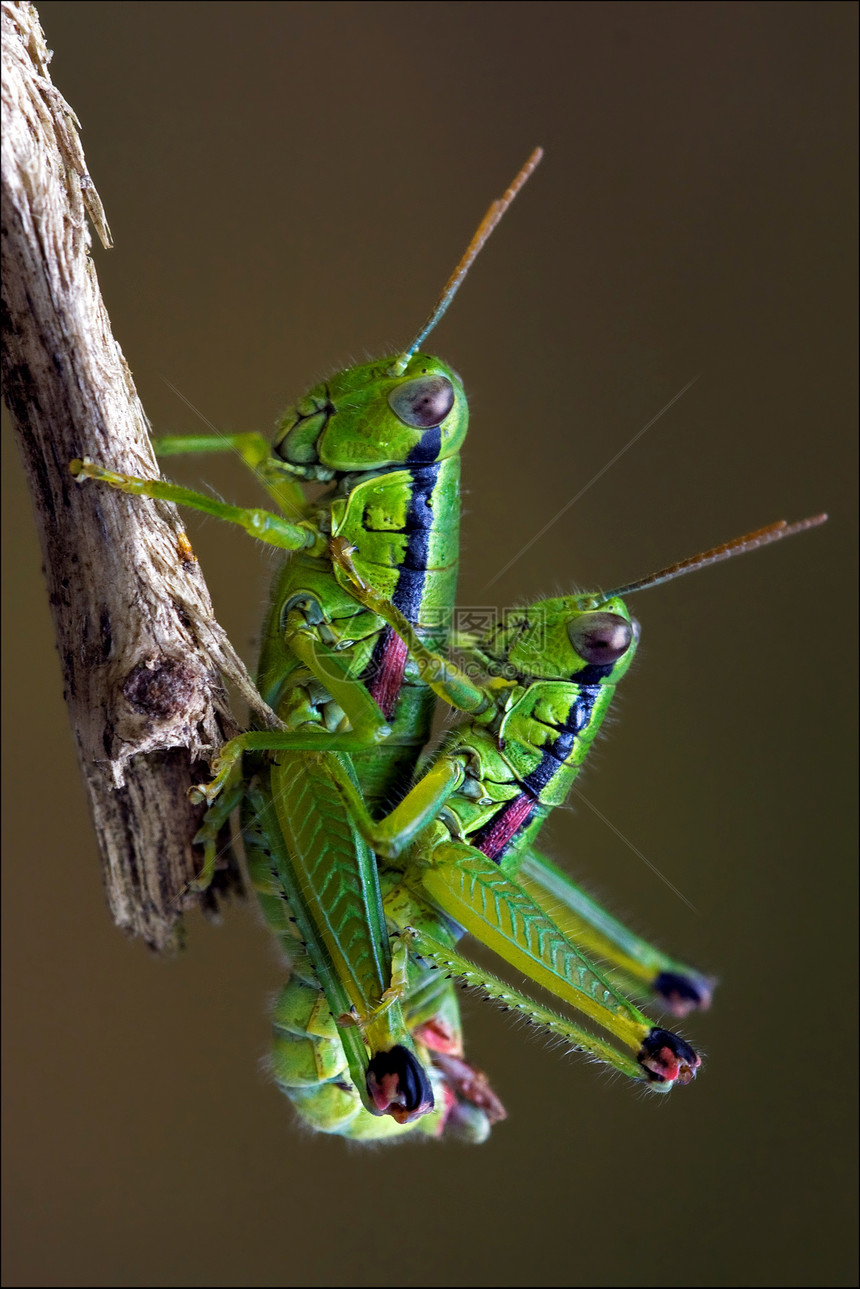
(738, 546)
(486, 226)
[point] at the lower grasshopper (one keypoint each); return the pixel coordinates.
(458, 852)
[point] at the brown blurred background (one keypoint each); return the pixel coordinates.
(288, 187)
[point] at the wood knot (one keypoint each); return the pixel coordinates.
(161, 688)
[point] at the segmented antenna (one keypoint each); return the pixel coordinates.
(738, 546)
(452, 286)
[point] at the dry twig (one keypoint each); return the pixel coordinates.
(141, 652)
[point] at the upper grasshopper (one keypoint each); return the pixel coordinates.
(386, 438)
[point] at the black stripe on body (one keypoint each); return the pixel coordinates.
(427, 450)
(593, 673)
(418, 528)
(553, 757)
(511, 817)
(412, 574)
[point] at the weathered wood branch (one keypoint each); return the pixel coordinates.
(141, 653)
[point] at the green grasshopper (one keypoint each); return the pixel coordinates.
(386, 437)
(467, 830)
(458, 851)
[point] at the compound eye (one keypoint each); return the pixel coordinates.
(422, 403)
(600, 638)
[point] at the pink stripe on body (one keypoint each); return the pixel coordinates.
(496, 836)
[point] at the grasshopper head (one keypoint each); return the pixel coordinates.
(407, 410)
(590, 640)
(366, 418)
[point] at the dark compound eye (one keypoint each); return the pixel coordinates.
(600, 638)
(423, 402)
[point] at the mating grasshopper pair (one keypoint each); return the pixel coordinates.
(370, 859)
